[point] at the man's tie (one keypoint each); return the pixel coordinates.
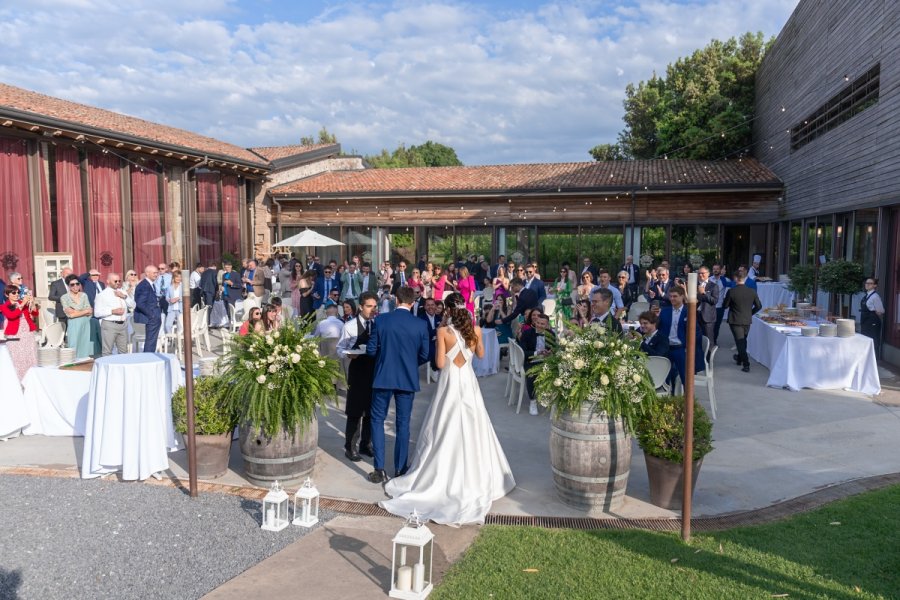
(368, 327)
(327, 287)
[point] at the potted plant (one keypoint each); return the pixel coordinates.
(276, 381)
(660, 434)
(597, 384)
(214, 424)
(802, 280)
(841, 277)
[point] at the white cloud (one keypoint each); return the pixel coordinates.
(518, 86)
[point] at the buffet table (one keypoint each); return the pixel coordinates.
(128, 423)
(821, 363)
(773, 293)
(490, 364)
(13, 415)
(56, 401)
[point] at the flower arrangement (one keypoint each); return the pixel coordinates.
(276, 380)
(595, 366)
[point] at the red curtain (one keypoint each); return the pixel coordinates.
(69, 208)
(15, 213)
(209, 217)
(49, 238)
(146, 219)
(230, 218)
(106, 213)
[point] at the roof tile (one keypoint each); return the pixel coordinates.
(273, 153)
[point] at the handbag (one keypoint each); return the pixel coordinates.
(566, 301)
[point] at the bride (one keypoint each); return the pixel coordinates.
(458, 468)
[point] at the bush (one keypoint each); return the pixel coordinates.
(802, 279)
(841, 277)
(211, 413)
(660, 430)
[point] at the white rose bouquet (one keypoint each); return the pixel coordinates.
(598, 367)
(276, 380)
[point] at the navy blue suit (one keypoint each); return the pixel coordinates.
(320, 290)
(432, 332)
(146, 311)
(658, 345)
(537, 286)
(399, 343)
(677, 354)
(526, 299)
(661, 292)
(90, 287)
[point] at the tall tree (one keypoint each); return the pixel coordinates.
(429, 154)
(325, 137)
(701, 109)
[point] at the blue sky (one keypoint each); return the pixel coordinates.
(501, 82)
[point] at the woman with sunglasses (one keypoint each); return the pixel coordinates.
(20, 313)
(563, 288)
(625, 290)
(253, 324)
(78, 312)
(587, 284)
(130, 282)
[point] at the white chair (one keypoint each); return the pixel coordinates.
(138, 336)
(288, 311)
(53, 335)
(708, 376)
(48, 315)
(642, 298)
(200, 329)
(636, 309)
(659, 367)
(550, 307)
(517, 373)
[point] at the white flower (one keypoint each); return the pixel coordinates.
(271, 386)
(272, 368)
(295, 358)
(276, 335)
(604, 380)
(269, 340)
(617, 353)
(261, 379)
(563, 342)
(315, 352)
(557, 382)
(598, 344)
(298, 348)
(270, 359)
(578, 364)
(321, 363)
(636, 378)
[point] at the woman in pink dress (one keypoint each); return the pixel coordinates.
(438, 282)
(416, 281)
(466, 286)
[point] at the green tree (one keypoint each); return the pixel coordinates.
(324, 137)
(603, 152)
(701, 109)
(429, 154)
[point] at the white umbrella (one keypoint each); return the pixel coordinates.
(308, 237)
(169, 240)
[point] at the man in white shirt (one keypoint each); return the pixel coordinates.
(194, 281)
(111, 307)
(330, 326)
(753, 273)
(360, 374)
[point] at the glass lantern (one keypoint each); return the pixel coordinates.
(306, 505)
(412, 581)
(275, 509)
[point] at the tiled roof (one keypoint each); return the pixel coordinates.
(673, 173)
(273, 153)
(98, 118)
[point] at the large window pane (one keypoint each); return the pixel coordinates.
(473, 240)
(361, 242)
(556, 245)
(520, 244)
(796, 238)
(605, 246)
(653, 247)
(864, 239)
(695, 245)
(400, 245)
(440, 245)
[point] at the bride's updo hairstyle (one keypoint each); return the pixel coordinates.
(460, 317)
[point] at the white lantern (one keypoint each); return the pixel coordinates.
(306, 505)
(275, 509)
(412, 581)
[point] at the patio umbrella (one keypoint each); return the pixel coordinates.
(169, 240)
(308, 237)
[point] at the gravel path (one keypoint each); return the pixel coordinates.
(71, 538)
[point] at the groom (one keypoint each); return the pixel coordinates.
(399, 343)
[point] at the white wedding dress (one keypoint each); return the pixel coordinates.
(458, 467)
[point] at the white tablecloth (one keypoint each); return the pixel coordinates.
(56, 401)
(13, 415)
(820, 363)
(773, 293)
(129, 415)
(490, 364)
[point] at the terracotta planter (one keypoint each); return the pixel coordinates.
(666, 481)
(213, 452)
(591, 458)
(287, 457)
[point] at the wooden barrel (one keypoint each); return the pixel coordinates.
(591, 458)
(287, 457)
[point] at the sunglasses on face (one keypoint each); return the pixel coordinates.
(73, 284)
(116, 281)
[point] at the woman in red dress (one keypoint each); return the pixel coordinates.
(20, 314)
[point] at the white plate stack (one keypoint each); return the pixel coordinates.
(846, 327)
(66, 356)
(809, 331)
(828, 330)
(48, 357)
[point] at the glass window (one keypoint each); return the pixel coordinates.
(795, 239)
(401, 245)
(605, 246)
(473, 240)
(440, 245)
(653, 246)
(520, 243)
(557, 245)
(325, 253)
(695, 245)
(360, 242)
(864, 239)
(811, 246)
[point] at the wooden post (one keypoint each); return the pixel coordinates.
(690, 349)
(189, 381)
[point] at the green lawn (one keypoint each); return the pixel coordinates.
(849, 549)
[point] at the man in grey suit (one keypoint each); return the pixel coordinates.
(707, 298)
(58, 289)
(742, 303)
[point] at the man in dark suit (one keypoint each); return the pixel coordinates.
(91, 284)
(601, 310)
(368, 279)
(654, 342)
(146, 307)
(360, 373)
(536, 285)
(707, 298)
(589, 268)
(399, 343)
(399, 277)
(322, 291)
(58, 289)
(433, 321)
(525, 299)
(534, 344)
(501, 262)
(742, 303)
(659, 289)
(209, 283)
(673, 325)
(633, 274)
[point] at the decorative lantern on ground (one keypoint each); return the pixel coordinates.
(306, 505)
(412, 581)
(275, 509)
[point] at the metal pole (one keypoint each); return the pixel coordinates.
(690, 349)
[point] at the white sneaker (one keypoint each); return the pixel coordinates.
(532, 408)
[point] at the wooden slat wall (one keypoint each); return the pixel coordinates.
(858, 163)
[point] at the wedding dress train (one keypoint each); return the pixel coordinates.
(458, 467)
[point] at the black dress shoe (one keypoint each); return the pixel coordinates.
(377, 476)
(736, 359)
(745, 368)
(402, 471)
(367, 451)
(352, 455)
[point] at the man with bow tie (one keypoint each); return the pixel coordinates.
(360, 375)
